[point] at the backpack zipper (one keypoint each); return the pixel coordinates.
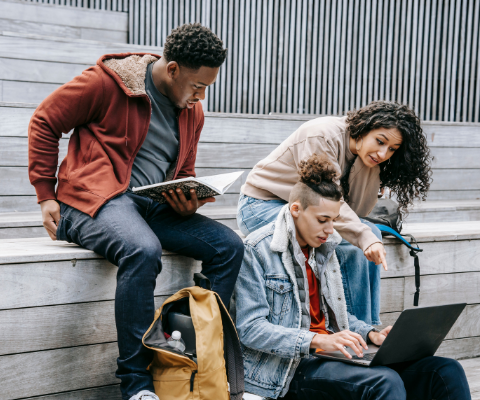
(192, 379)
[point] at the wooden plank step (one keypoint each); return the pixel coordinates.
(68, 311)
(25, 46)
(29, 224)
(63, 16)
(472, 370)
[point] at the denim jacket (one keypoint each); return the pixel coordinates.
(269, 317)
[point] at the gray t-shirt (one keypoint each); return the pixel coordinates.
(160, 149)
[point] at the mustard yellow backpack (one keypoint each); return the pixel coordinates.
(217, 372)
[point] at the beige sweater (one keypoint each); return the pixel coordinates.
(275, 175)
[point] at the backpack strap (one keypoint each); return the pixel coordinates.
(413, 252)
(199, 278)
(233, 355)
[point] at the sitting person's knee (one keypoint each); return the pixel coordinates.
(390, 386)
(148, 257)
(234, 247)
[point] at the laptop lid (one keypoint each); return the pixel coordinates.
(417, 333)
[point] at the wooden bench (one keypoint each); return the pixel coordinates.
(57, 330)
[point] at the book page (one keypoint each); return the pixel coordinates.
(221, 182)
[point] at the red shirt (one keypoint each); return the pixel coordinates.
(317, 324)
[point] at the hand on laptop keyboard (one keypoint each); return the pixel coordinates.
(366, 357)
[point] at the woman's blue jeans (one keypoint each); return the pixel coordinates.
(361, 278)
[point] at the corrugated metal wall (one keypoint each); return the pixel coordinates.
(109, 5)
(326, 57)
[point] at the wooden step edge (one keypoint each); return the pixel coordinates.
(135, 48)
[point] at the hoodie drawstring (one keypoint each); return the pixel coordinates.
(126, 127)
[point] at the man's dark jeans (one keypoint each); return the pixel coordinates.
(130, 231)
(429, 378)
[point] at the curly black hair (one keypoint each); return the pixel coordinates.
(317, 179)
(408, 172)
(194, 46)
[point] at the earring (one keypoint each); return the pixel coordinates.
(356, 148)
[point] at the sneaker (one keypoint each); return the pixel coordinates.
(145, 395)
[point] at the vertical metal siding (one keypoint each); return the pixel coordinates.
(327, 56)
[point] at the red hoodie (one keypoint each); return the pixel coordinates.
(110, 114)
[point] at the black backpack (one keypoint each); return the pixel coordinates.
(386, 216)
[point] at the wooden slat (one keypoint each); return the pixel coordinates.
(14, 151)
(52, 371)
(76, 17)
(14, 121)
(273, 129)
(21, 92)
(231, 155)
(14, 181)
(467, 325)
(445, 289)
(53, 327)
(436, 258)
(24, 232)
(454, 195)
(16, 25)
(455, 158)
(460, 348)
(392, 294)
(104, 35)
(39, 71)
(18, 203)
(33, 47)
(107, 392)
(472, 371)
(460, 179)
(64, 282)
(111, 392)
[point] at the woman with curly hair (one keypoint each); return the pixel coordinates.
(380, 145)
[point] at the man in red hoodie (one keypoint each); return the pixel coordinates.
(137, 120)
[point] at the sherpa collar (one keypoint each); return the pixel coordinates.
(284, 234)
(131, 70)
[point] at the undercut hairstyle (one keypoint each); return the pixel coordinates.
(194, 46)
(408, 172)
(317, 181)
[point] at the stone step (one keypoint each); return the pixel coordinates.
(63, 297)
(67, 22)
(29, 224)
(32, 66)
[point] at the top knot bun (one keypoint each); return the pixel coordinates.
(317, 169)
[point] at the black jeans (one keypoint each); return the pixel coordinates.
(130, 231)
(432, 378)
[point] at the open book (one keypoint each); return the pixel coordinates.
(205, 187)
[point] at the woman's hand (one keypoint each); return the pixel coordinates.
(379, 337)
(338, 341)
(376, 253)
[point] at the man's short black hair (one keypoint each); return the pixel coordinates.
(194, 46)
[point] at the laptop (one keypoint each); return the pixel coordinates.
(417, 333)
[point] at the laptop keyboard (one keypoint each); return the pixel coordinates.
(366, 357)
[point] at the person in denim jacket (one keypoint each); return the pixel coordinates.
(290, 302)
